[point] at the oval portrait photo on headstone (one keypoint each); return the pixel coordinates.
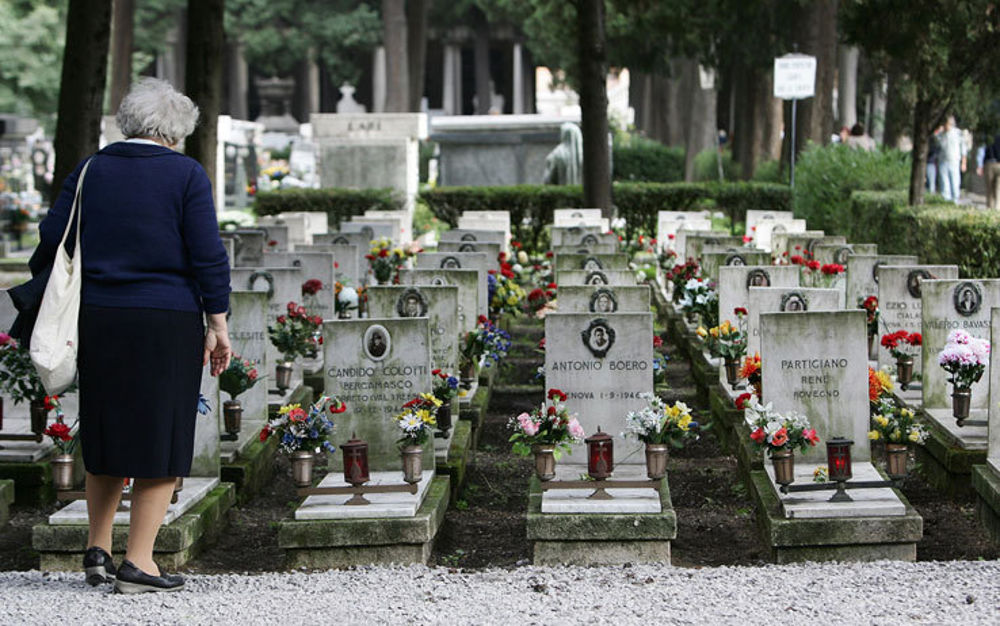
(778, 228)
(794, 302)
(368, 232)
(439, 281)
(376, 342)
(758, 278)
(596, 277)
(451, 263)
(841, 255)
(598, 337)
(467, 247)
(603, 301)
(913, 282)
(590, 264)
(468, 237)
(589, 240)
(735, 259)
(411, 303)
(968, 298)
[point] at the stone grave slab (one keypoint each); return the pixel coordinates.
(735, 281)
(756, 217)
(491, 250)
(590, 262)
(816, 364)
(596, 278)
(439, 304)
(623, 500)
(467, 281)
(358, 240)
(577, 217)
(248, 320)
(302, 225)
(603, 248)
(370, 230)
(784, 300)
(816, 504)
(383, 505)
(282, 285)
(479, 261)
(763, 236)
(782, 242)
(314, 265)
(194, 491)
(276, 237)
(248, 247)
(841, 253)
(735, 257)
(487, 220)
(346, 259)
(374, 366)
(670, 234)
(612, 299)
(401, 230)
(580, 236)
(696, 244)
(862, 274)
(474, 236)
(603, 363)
(900, 305)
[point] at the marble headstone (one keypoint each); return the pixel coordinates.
(783, 244)
(613, 299)
(596, 278)
(756, 217)
(670, 233)
(491, 250)
(695, 244)
(248, 247)
(840, 253)
(862, 274)
(370, 230)
(581, 236)
(438, 304)
(248, 320)
(314, 265)
(763, 236)
(733, 257)
(474, 236)
(590, 262)
(479, 261)
(899, 289)
(735, 282)
(467, 281)
(784, 300)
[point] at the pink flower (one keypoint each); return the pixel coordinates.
(810, 435)
(252, 374)
(529, 427)
(959, 336)
(575, 430)
(4, 339)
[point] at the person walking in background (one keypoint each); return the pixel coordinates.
(952, 161)
(990, 169)
(154, 271)
(933, 159)
(859, 139)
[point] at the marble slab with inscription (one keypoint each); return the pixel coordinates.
(467, 281)
(437, 303)
(611, 299)
(596, 278)
(900, 305)
(735, 281)
(736, 257)
(784, 300)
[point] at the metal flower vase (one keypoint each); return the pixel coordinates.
(732, 367)
(468, 374)
(62, 472)
(783, 462)
(656, 460)
(302, 467)
(232, 416)
(961, 402)
(545, 461)
(896, 457)
(904, 371)
(39, 416)
(444, 416)
(283, 375)
(413, 464)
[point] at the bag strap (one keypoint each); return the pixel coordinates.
(75, 210)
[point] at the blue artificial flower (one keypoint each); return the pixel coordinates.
(203, 406)
(287, 438)
(452, 382)
(314, 434)
(328, 446)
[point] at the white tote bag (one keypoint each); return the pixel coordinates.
(53, 341)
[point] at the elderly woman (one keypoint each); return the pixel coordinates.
(153, 312)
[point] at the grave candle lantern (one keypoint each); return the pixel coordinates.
(355, 461)
(838, 459)
(600, 455)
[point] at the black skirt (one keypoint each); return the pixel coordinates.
(139, 379)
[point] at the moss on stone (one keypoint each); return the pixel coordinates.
(252, 470)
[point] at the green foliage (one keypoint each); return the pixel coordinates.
(32, 37)
(826, 176)
(706, 166)
(937, 233)
(338, 204)
(636, 158)
(770, 172)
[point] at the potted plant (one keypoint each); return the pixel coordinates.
(417, 421)
(385, 260)
(903, 346)
(546, 433)
(700, 300)
(65, 442)
(964, 357)
(870, 306)
(660, 426)
(445, 389)
(240, 376)
(897, 427)
(680, 275)
(729, 341)
(484, 345)
(20, 381)
(750, 372)
(780, 435)
(302, 434)
(504, 294)
(292, 335)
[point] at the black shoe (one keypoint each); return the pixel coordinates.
(131, 579)
(98, 566)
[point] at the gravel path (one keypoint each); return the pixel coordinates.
(879, 593)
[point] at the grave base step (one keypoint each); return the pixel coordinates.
(33, 480)
(458, 457)
(252, 470)
(6, 499)
(946, 466)
(833, 538)
(334, 543)
(986, 483)
(61, 547)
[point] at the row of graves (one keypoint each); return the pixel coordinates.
(802, 342)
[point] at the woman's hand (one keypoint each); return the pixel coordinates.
(217, 346)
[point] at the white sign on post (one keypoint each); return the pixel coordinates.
(794, 76)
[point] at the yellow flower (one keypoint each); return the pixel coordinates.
(701, 332)
(906, 413)
(896, 435)
(512, 300)
(884, 380)
(684, 422)
(431, 398)
(914, 435)
(873, 435)
(715, 332)
(881, 420)
(288, 408)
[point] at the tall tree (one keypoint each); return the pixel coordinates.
(397, 92)
(416, 43)
(814, 32)
(31, 46)
(203, 77)
(594, 105)
(847, 85)
(81, 89)
(121, 50)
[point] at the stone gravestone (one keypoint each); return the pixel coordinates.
(782, 242)
(578, 236)
(603, 363)
(797, 243)
(733, 257)
(840, 253)
(756, 217)
(282, 285)
(487, 220)
(314, 265)
(613, 299)
(817, 365)
(370, 150)
(275, 237)
(670, 233)
(467, 281)
(345, 262)
(784, 300)
(361, 243)
(229, 244)
(596, 278)
(601, 248)
(949, 305)
(590, 262)
(862, 274)
(248, 320)
(375, 366)
(369, 231)
(399, 232)
(474, 236)
(763, 236)
(478, 261)
(695, 245)
(491, 250)
(302, 225)
(579, 217)
(248, 247)
(735, 282)
(438, 304)
(899, 302)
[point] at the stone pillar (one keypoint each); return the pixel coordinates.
(378, 80)
(518, 92)
(448, 82)
(312, 78)
(238, 82)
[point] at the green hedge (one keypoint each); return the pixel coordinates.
(937, 233)
(531, 206)
(643, 160)
(338, 204)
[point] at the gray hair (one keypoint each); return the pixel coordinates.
(153, 108)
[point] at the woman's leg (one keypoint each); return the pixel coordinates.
(150, 499)
(103, 495)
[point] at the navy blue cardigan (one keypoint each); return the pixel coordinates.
(149, 233)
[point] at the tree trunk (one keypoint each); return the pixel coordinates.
(416, 42)
(203, 78)
(481, 52)
(81, 87)
(816, 34)
(847, 85)
(895, 109)
(397, 91)
(121, 51)
(918, 161)
(700, 130)
(594, 106)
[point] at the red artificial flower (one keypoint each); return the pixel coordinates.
(317, 320)
(370, 257)
(291, 306)
(536, 294)
(4, 339)
(549, 254)
(502, 257)
(320, 340)
(831, 269)
(657, 341)
(739, 311)
(759, 435)
(435, 372)
(552, 410)
(264, 433)
(58, 430)
(482, 319)
(810, 436)
(297, 415)
(813, 265)
(779, 438)
(301, 311)
(798, 247)
(383, 253)
(340, 407)
(797, 259)
(51, 402)
(541, 343)
(515, 244)
(870, 303)
(671, 237)
(311, 287)
(272, 243)
(281, 319)
(915, 339)
(551, 286)
(742, 400)
(252, 374)
(336, 265)
(747, 238)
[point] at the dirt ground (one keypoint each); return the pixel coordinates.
(485, 526)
